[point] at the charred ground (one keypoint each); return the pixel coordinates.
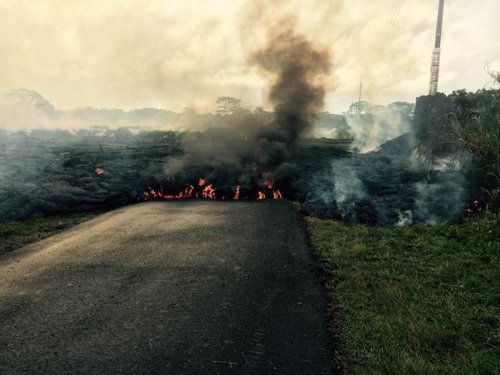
(54, 172)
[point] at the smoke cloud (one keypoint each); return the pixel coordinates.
(374, 129)
(297, 70)
(248, 149)
(173, 55)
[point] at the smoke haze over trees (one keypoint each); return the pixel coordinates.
(54, 171)
(186, 54)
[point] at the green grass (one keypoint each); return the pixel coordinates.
(418, 300)
(17, 234)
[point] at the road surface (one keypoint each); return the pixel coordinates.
(177, 287)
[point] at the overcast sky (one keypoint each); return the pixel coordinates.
(176, 54)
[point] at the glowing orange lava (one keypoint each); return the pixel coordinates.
(237, 193)
(268, 179)
(202, 190)
(475, 207)
(208, 192)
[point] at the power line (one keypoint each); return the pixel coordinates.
(392, 17)
(387, 22)
(389, 25)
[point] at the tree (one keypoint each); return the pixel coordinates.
(30, 100)
(227, 105)
(470, 129)
(405, 109)
(358, 108)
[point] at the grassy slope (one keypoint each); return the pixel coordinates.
(17, 234)
(419, 300)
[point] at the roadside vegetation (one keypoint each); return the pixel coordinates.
(420, 299)
(470, 133)
(414, 300)
(17, 234)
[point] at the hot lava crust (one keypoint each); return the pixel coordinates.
(47, 172)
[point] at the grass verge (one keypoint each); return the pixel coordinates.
(17, 234)
(417, 300)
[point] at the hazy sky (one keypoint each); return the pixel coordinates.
(177, 54)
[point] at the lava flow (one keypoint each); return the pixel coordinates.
(203, 190)
(474, 207)
(237, 193)
(99, 171)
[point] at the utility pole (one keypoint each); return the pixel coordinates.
(436, 54)
(358, 107)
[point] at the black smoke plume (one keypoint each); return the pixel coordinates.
(297, 68)
(246, 149)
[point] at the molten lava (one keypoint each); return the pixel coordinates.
(208, 192)
(203, 190)
(237, 193)
(475, 207)
(268, 179)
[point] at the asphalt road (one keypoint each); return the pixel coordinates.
(178, 287)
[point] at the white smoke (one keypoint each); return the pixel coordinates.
(373, 129)
(348, 189)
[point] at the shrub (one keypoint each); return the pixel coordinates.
(471, 133)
